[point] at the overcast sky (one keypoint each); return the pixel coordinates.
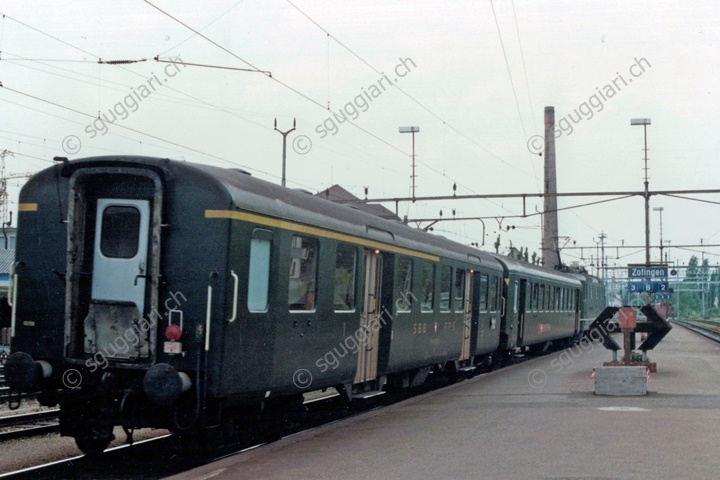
(474, 76)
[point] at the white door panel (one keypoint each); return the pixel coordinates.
(120, 251)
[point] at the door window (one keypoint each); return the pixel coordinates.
(120, 231)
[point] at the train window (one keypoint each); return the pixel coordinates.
(483, 305)
(493, 294)
(568, 299)
(528, 296)
(302, 289)
(459, 290)
(120, 234)
(573, 302)
(568, 294)
(428, 286)
(259, 271)
(345, 267)
(403, 301)
(558, 298)
(515, 297)
(541, 298)
(535, 293)
(445, 287)
(546, 297)
(562, 298)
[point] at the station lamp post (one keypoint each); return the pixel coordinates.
(412, 130)
(660, 209)
(645, 122)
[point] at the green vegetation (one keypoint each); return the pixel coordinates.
(698, 294)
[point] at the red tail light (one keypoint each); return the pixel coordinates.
(173, 332)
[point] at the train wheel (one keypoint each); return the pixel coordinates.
(92, 442)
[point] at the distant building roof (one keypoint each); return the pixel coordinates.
(336, 192)
(7, 257)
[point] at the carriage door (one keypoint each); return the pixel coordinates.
(523, 304)
(370, 318)
(119, 273)
(467, 316)
(120, 256)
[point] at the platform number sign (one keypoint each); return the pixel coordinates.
(648, 287)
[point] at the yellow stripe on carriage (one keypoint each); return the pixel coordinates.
(319, 232)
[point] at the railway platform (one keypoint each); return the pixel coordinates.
(536, 420)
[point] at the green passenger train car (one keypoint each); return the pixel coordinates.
(155, 293)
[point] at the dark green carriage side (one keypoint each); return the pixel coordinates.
(265, 348)
(40, 261)
(488, 308)
(541, 305)
(189, 251)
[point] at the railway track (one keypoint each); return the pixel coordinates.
(29, 424)
(165, 455)
(705, 328)
(5, 395)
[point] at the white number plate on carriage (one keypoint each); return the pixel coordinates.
(172, 347)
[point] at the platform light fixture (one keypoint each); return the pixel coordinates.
(660, 209)
(645, 122)
(412, 130)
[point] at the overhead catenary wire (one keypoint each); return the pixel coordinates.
(131, 129)
(125, 127)
(522, 57)
(201, 101)
(231, 53)
(196, 32)
(275, 79)
(424, 107)
(69, 120)
(204, 102)
(203, 153)
(204, 27)
(156, 95)
(401, 90)
(512, 86)
(222, 67)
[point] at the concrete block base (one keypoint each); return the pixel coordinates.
(620, 381)
(651, 365)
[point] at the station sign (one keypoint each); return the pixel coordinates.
(648, 287)
(647, 272)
